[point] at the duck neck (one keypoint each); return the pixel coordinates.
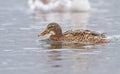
(57, 36)
(58, 32)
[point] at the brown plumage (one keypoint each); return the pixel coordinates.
(77, 36)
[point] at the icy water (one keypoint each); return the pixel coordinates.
(23, 52)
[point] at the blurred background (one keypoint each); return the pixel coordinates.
(23, 52)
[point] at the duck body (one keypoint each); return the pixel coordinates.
(83, 36)
(75, 36)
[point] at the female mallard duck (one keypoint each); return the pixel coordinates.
(78, 35)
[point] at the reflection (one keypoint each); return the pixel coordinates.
(54, 54)
(54, 57)
(56, 46)
(51, 17)
(68, 21)
(68, 60)
(79, 20)
(50, 44)
(78, 46)
(81, 63)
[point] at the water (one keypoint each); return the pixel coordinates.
(22, 52)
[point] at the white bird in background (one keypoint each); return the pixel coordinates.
(59, 5)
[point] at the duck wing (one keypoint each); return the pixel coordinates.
(81, 32)
(83, 35)
(94, 33)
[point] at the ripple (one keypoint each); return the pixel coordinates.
(30, 28)
(4, 63)
(89, 53)
(8, 50)
(114, 38)
(7, 24)
(30, 48)
(88, 46)
(35, 27)
(25, 28)
(2, 29)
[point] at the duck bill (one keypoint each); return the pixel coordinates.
(44, 33)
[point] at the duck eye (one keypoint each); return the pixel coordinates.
(51, 26)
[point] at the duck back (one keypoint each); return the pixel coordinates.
(83, 36)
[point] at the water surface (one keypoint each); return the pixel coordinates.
(22, 52)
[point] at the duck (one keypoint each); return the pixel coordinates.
(59, 5)
(73, 35)
(40, 5)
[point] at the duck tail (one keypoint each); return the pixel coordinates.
(103, 35)
(104, 41)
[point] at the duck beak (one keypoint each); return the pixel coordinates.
(44, 33)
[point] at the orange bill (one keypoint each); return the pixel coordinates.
(44, 33)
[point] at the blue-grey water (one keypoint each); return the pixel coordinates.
(23, 52)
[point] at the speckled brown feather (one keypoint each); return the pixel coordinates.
(83, 36)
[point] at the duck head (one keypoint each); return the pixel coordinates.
(54, 29)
